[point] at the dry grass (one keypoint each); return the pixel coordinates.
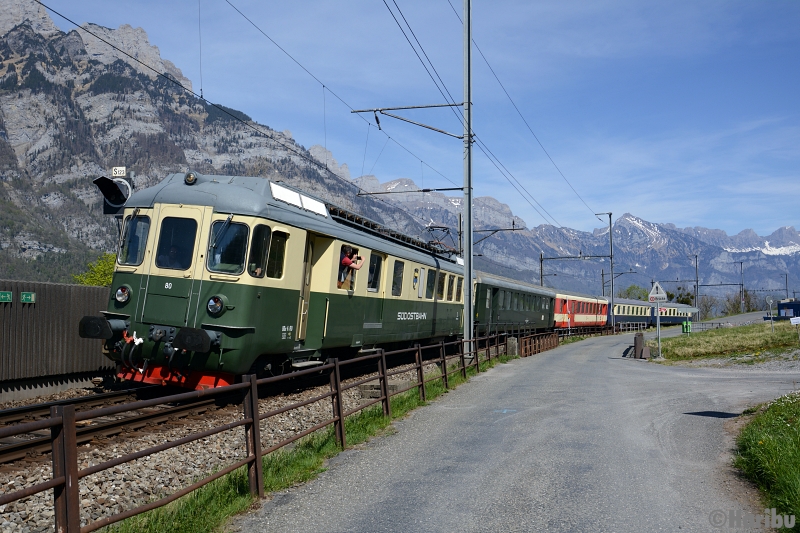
(755, 339)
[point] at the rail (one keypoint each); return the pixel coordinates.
(64, 420)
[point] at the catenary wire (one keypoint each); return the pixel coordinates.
(458, 112)
(222, 109)
(496, 77)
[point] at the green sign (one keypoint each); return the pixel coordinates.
(27, 297)
(6, 296)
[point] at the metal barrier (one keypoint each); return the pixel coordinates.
(63, 421)
(39, 330)
(631, 326)
(534, 344)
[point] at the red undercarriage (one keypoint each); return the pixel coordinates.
(161, 375)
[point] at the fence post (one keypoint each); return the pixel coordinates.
(66, 497)
(255, 471)
(463, 361)
(444, 365)
(384, 381)
(336, 400)
(477, 357)
(420, 374)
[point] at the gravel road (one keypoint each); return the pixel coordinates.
(574, 439)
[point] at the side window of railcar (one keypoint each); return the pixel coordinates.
(259, 246)
(134, 240)
(421, 284)
(431, 284)
(397, 278)
(500, 298)
(176, 243)
(277, 253)
(227, 247)
(374, 275)
(515, 302)
(458, 291)
(450, 283)
(440, 286)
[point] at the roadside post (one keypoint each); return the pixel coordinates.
(796, 322)
(770, 301)
(657, 295)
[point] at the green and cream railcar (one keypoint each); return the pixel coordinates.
(218, 276)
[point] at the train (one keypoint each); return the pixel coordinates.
(219, 276)
(644, 313)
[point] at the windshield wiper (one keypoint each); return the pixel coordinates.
(218, 235)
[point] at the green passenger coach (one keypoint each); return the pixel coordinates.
(218, 276)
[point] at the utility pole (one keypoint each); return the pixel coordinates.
(541, 265)
(787, 285)
(696, 286)
(603, 280)
(611, 256)
(741, 271)
(469, 313)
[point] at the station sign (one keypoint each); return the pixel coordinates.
(27, 297)
(6, 296)
(118, 172)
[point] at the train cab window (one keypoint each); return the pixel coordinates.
(227, 247)
(134, 240)
(397, 278)
(374, 274)
(277, 252)
(459, 283)
(450, 285)
(431, 284)
(176, 243)
(259, 246)
(440, 286)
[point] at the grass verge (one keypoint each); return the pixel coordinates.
(207, 509)
(769, 453)
(753, 340)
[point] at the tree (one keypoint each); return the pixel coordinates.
(99, 273)
(707, 306)
(684, 296)
(634, 292)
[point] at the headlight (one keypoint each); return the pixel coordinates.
(215, 305)
(123, 294)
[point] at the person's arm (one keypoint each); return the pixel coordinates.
(358, 264)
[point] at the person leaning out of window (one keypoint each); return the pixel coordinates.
(347, 264)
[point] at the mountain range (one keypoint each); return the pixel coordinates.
(72, 107)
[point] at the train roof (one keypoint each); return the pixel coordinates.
(261, 197)
(506, 283)
(630, 301)
(580, 295)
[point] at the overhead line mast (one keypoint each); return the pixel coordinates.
(469, 313)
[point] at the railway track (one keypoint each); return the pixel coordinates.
(38, 442)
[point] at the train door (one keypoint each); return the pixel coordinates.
(305, 290)
(174, 275)
(376, 292)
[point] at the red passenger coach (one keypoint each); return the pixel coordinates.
(573, 310)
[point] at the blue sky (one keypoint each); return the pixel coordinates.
(684, 112)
